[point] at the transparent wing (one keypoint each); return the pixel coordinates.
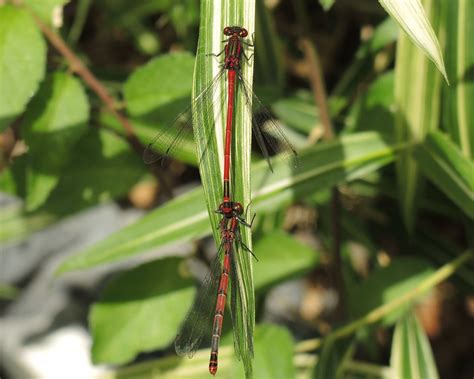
(236, 309)
(165, 143)
(198, 321)
(269, 135)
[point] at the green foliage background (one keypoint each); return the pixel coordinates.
(402, 157)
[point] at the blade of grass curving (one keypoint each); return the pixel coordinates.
(411, 16)
(214, 17)
(417, 98)
(444, 164)
(321, 166)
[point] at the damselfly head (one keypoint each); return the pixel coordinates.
(238, 209)
(236, 30)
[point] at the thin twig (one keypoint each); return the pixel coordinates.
(318, 88)
(99, 89)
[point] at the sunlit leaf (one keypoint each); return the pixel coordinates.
(411, 351)
(411, 16)
(139, 311)
(22, 62)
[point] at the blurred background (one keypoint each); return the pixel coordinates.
(384, 214)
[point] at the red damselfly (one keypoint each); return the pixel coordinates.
(209, 103)
(212, 294)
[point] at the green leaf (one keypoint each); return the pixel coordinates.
(387, 284)
(50, 11)
(411, 351)
(412, 18)
(298, 111)
(417, 104)
(400, 299)
(155, 94)
(8, 292)
(271, 362)
(459, 96)
(103, 168)
(22, 62)
(373, 110)
(53, 123)
(444, 164)
(333, 356)
(281, 257)
(139, 311)
(184, 218)
(327, 4)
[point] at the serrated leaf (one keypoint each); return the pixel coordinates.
(387, 284)
(444, 164)
(139, 311)
(22, 62)
(322, 166)
(411, 351)
(411, 16)
(53, 123)
(156, 93)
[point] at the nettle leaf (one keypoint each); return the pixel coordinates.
(140, 310)
(156, 93)
(54, 121)
(411, 16)
(22, 62)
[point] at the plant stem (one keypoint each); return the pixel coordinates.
(378, 313)
(318, 88)
(99, 89)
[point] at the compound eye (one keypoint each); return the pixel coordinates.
(243, 33)
(226, 31)
(238, 209)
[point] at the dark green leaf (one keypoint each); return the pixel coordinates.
(22, 61)
(140, 310)
(54, 121)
